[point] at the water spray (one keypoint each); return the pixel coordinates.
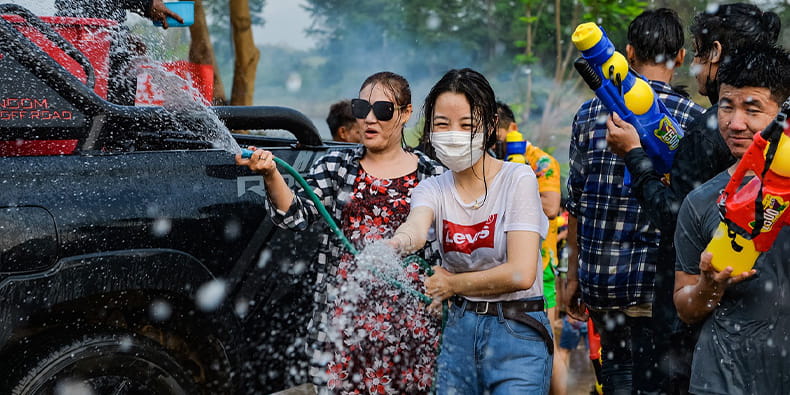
(245, 153)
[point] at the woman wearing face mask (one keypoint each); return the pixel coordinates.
(488, 218)
(367, 190)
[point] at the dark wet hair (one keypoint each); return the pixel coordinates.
(506, 116)
(339, 115)
(735, 26)
(394, 84)
(482, 101)
(656, 35)
(763, 66)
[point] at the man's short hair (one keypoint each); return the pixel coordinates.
(505, 114)
(656, 35)
(764, 66)
(339, 115)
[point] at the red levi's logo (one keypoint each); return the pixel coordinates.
(467, 238)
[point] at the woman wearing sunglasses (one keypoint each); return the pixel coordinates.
(367, 190)
(488, 216)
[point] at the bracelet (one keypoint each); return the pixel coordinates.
(411, 242)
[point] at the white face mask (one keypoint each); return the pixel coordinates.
(454, 150)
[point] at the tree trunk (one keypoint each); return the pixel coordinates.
(246, 54)
(202, 52)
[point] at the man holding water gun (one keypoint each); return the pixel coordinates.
(743, 344)
(718, 33)
(612, 244)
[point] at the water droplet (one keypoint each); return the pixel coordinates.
(160, 310)
(72, 387)
(265, 257)
(241, 307)
(433, 21)
(161, 227)
(294, 82)
(210, 295)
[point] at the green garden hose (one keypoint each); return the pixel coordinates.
(350, 247)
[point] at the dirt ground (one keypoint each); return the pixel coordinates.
(580, 376)
(580, 373)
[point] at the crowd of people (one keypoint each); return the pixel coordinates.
(639, 282)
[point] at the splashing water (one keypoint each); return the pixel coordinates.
(159, 86)
(377, 333)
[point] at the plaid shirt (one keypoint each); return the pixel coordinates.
(332, 178)
(617, 242)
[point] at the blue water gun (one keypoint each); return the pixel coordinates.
(628, 94)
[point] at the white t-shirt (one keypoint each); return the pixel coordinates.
(475, 239)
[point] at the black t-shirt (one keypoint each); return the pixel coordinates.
(701, 155)
(744, 345)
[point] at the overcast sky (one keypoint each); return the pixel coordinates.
(285, 25)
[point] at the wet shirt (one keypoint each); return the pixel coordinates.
(474, 239)
(617, 242)
(744, 344)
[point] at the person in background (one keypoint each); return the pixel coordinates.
(613, 245)
(115, 10)
(489, 219)
(547, 171)
(718, 34)
(342, 124)
(367, 189)
(745, 335)
(122, 82)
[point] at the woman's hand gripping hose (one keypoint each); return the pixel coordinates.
(268, 164)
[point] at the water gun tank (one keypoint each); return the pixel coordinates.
(598, 49)
(515, 148)
(739, 239)
(628, 94)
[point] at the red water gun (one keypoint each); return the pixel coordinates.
(753, 215)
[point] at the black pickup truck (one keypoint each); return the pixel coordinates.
(141, 261)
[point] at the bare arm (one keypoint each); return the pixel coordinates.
(550, 201)
(518, 273)
(159, 13)
(697, 295)
(262, 162)
(572, 294)
(412, 234)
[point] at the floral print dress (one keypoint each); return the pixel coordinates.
(387, 347)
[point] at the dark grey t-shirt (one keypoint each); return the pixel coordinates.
(744, 345)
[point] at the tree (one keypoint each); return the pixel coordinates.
(247, 55)
(222, 43)
(201, 51)
(557, 21)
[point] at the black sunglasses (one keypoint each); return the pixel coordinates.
(383, 110)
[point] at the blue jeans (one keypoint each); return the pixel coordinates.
(491, 354)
